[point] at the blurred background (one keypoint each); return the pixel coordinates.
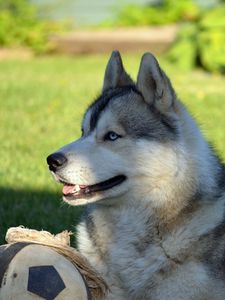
(52, 60)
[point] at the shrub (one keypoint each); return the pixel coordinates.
(169, 11)
(202, 43)
(211, 40)
(184, 52)
(20, 26)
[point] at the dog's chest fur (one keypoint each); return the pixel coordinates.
(141, 259)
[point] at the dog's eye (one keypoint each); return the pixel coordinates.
(111, 136)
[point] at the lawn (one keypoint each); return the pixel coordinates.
(42, 101)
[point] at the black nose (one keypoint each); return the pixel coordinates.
(56, 160)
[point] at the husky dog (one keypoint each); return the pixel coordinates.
(154, 190)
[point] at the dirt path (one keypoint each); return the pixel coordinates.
(155, 39)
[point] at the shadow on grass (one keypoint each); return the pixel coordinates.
(37, 210)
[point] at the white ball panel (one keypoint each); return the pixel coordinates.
(15, 286)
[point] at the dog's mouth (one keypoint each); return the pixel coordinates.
(76, 191)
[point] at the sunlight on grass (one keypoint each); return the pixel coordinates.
(42, 103)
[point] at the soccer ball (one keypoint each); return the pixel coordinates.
(31, 271)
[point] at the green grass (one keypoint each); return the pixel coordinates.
(42, 101)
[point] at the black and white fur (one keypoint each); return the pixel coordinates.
(160, 233)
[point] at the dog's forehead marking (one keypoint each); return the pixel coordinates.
(107, 121)
(100, 104)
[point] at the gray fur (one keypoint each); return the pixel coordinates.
(140, 120)
(154, 84)
(115, 75)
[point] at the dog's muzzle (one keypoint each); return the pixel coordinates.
(56, 161)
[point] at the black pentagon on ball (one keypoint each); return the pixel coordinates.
(45, 282)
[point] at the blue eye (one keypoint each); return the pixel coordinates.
(111, 136)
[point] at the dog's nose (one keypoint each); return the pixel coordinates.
(56, 160)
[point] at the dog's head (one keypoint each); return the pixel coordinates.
(130, 141)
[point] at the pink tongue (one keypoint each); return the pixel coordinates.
(68, 189)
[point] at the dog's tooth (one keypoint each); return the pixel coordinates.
(77, 188)
(87, 190)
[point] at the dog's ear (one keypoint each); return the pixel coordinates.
(115, 75)
(154, 85)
